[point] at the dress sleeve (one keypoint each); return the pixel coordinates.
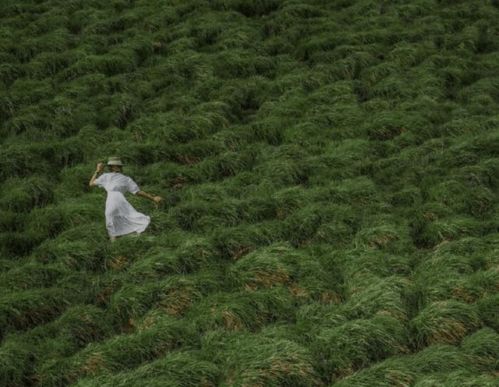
(101, 180)
(132, 186)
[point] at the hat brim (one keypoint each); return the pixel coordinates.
(114, 163)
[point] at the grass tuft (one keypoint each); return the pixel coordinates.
(444, 322)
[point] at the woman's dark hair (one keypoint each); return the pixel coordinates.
(120, 167)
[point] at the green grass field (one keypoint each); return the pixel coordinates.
(330, 171)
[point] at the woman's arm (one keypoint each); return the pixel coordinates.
(100, 168)
(155, 199)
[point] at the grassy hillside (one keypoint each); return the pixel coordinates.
(330, 172)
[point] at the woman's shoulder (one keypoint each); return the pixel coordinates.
(111, 176)
(115, 174)
(102, 176)
(122, 177)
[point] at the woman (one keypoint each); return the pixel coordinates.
(121, 217)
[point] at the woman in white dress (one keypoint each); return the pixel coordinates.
(121, 217)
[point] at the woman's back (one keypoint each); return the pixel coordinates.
(115, 181)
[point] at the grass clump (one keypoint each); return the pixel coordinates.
(52, 220)
(26, 194)
(31, 274)
(156, 266)
(386, 373)
(482, 347)
(262, 269)
(444, 322)
(487, 309)
(127, 351)
(261, 360)
(357, 343)
(461, 199)
(28, 308)
(457, 378)
(16, 363)
(241, 311)
(74, 255)
(76, 327)
(186, 368)
(83, 324)
(234, 242)
(380, 297)
(179, 293)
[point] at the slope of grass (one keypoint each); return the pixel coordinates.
(330, 175)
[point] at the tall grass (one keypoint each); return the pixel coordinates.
(242, 310)
(329, 173)
(186, 368)
(261, 360)
(344, 349)
(23, 195)
(27, 308)
(444, 322)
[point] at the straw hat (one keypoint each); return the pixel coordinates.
(114, 161)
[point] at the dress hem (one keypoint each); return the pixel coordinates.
(139, 230)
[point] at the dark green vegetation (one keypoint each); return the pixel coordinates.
(331, 175)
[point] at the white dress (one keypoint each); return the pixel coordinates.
(121, 217)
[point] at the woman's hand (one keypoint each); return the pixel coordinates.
(100, 167)
(157, 200)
